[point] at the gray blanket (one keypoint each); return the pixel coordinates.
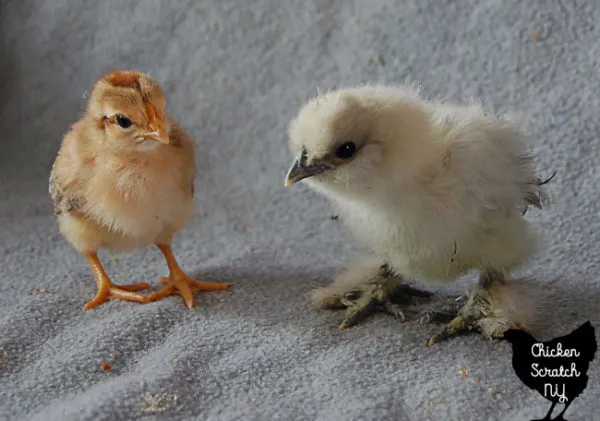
(235, 73)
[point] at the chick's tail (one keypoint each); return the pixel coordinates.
(534, 193)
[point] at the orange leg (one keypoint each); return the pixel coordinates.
(178, 282)
(107, 290)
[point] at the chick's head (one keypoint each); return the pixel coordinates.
(128, 110)
(352, 140)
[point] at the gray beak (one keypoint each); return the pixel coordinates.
(301, 170)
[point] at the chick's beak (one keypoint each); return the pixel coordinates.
(301, 170)
(157, 125)
(159, 135)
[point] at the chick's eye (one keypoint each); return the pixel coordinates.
(347, 150)
(123, 121)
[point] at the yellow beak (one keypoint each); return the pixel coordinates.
(160, 135)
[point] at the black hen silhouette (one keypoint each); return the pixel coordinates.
(531, 359)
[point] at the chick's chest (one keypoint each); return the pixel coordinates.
(379, 230)
(415, 247)
(138, 200)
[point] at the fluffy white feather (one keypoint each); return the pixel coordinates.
(432, 188)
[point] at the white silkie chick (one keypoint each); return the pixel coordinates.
(435, 190)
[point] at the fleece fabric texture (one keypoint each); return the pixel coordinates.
(235, 74)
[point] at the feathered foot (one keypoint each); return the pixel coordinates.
(491, 310)
(385, 296)
(365, 288)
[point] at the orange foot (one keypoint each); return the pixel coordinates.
(183, 285)
(178, 282)
(119, 292)
(107, 290)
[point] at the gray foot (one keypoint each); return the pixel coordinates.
(386, 295)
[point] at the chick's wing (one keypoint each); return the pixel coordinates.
(186, 145)
(65, 182)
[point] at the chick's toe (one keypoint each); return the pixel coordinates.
(119, 292)
(107, 290)
(492, 309)
(178, 282)
(467, 314)
(387, 295)
(446, 312)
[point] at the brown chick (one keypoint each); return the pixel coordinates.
(124, 179)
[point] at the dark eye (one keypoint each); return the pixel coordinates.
(123, 121)
(347, 150)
